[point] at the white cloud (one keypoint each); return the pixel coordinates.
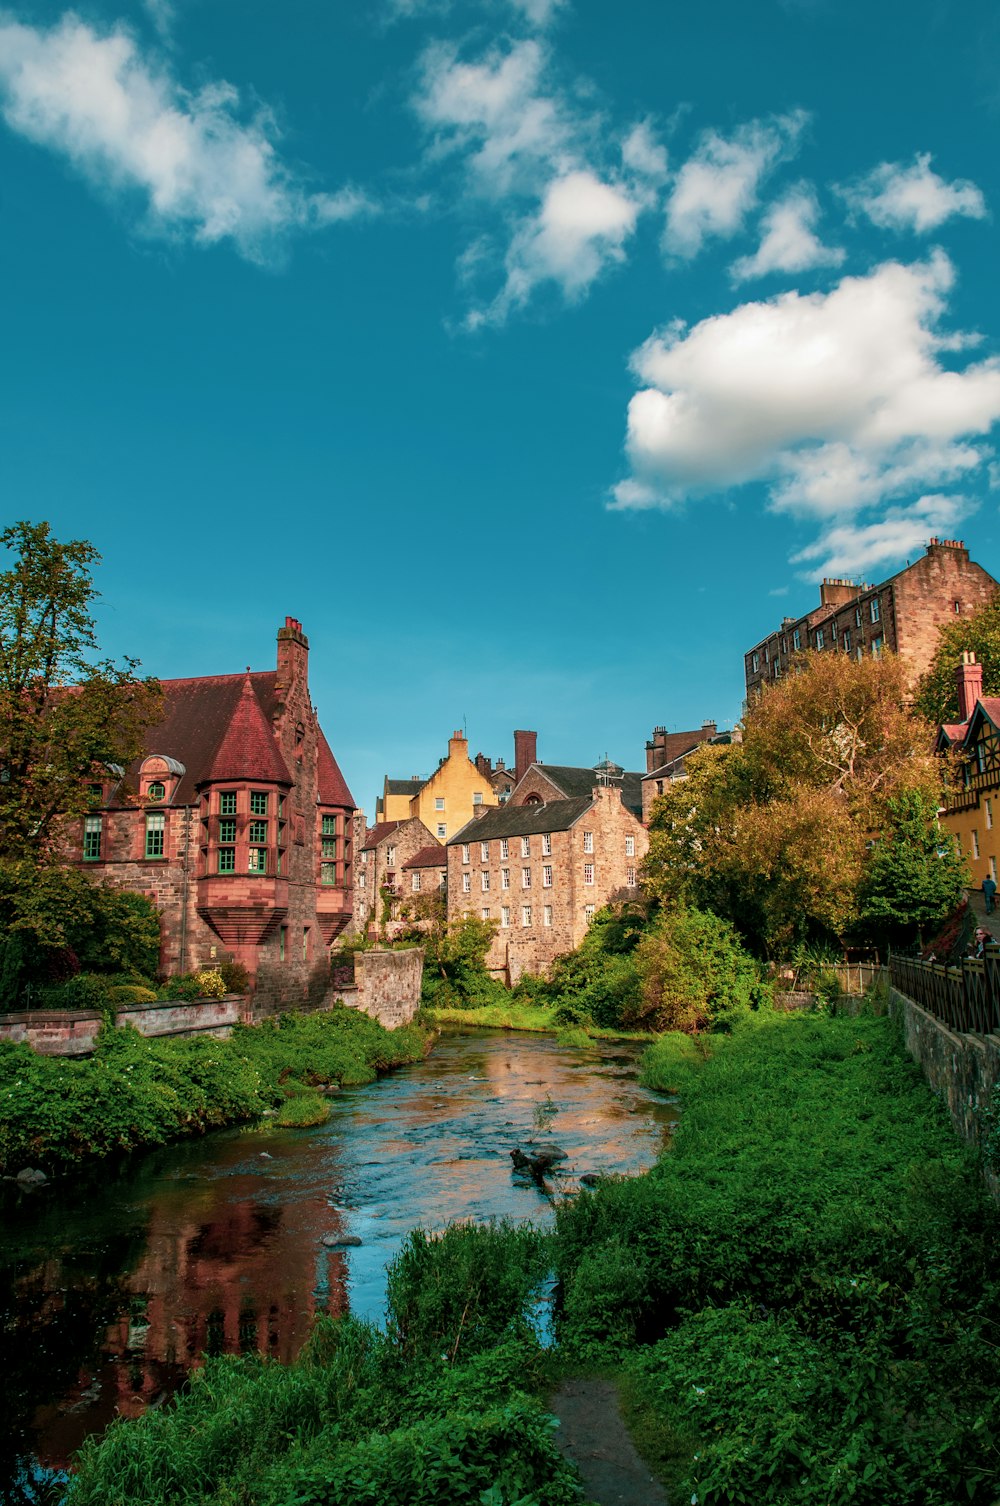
(539, 12)
(717, 187)
(643, 155)
(128, 127)
(897, 197)
(788, 240)
(850, 549)
(162, 15)
(838, 401)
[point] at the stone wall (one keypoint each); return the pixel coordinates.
(386, 986)
(72, 1032)
(963, 1070)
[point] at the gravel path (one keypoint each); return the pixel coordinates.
(592, 1434)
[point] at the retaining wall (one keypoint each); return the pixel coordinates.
(962, 1069)
(73, 1032)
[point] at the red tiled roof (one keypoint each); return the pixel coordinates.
(379, 830)
(247, 749)
(331, 786)
(435, 856)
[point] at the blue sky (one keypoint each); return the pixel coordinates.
(537, 354)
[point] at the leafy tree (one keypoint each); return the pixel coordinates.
(775, 833)
(937, 693)
(915, 877)
(64, 713)
(696, 974)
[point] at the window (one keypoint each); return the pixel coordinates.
(327, 873)
(547, 915)
(796, 640)
(505, 915)
(96, 794)
(466, 883)
(258, 833)
(526, 915)
(857, 616)
(91, 838)
(485, 878)
(282, 942)
(819, 638)
(364, 858)
(525, 847)
(993, 869)
(281, 805)
(466, 853)
(484, 851)
(784, 645)
(477, 797)
(415, 883)
(874, 609)
(547, 876)
(257, 860)
(328, 826)
(834, 630)
(328, 845)
(846, 640)
(755, 662)
(439, 802)
(630, 878)
(442, 831)
(876, 648)
(547, 844)
(362, 881)
(958, 610)
(588, 873)
(989, 813)
(227, 831)
(227, 803)
(588, 841)
(258, 804)
(305, 943)
(390, 857)
(525, 878)
(485, 912)
(589, 911)
(859, 653)
(227, 859)
(504, 878)
(504, 848)
(766, 654)
(975, 844)
(981, 757)
(630, 847)
(156, 790)
(155, 825)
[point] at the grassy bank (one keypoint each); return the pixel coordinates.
(541, 1019)
(134, 1092)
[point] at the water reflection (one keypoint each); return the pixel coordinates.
(111, 1292)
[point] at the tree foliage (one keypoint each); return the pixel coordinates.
(777, 833)
(914, 876)
(937, 693)
(65, 714)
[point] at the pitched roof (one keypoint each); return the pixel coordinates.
(331, 786)
(404, 786)
(523, 820)
(721, 739)
(574, 783)
(676, 743)
(380, 830)
(428, 857)
(247, 748)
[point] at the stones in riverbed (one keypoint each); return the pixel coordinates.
(537, 1161)
(341, 1241)
(589, 1179)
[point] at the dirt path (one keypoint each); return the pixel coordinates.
(592, 1434)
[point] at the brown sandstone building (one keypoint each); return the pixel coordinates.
(902, 614)
(237, 824)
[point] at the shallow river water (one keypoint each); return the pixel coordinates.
(112, 1288)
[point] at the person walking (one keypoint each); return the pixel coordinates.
(989, 893)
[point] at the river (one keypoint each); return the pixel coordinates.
(112, 1288)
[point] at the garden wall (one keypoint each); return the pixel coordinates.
(73, 1032)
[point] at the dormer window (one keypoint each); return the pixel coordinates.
(156, 792)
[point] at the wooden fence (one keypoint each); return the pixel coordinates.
(966, 998)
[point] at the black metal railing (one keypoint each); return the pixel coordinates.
(966, 997)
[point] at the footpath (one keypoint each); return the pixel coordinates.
(593, 1436)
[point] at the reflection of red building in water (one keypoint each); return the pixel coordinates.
(237, 823)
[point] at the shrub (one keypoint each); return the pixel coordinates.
(235, 977)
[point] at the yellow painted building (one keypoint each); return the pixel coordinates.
(446, 801)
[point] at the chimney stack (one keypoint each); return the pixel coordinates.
(525, 753)
(970, 685)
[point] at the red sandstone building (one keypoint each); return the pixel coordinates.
(903, 615)
(237, 824)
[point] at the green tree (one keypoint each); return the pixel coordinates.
(937, 692)
(914, 877)
(65, 714)
(696, 974)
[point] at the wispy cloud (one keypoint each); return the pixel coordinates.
(895, 196)
(838, 401)
(717, 187)
(202, 168)
(789, 242)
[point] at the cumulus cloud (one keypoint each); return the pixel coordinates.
(852, 548)
(535, 154)
(789, 242)
(128, 127)
(717, 187)
(539, 12)
(838, 401)
(914, 197)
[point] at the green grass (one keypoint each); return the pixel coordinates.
(539, 1018)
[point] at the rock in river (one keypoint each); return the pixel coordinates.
(339, 1241)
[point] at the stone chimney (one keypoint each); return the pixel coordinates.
(484, 766)
(525, 752)
(970, 685)
(458, 745)
(293, 656)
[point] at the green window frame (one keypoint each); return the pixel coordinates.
(329, 827)
(157, 790)
(227, 803)
(227, 832)
(227, 859)
(257, 860)
(258, 802)
(329, 847)
(258, 833)
(328, 873)
(92, 838)
(155, 834)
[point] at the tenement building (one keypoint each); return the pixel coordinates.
(667, 754)
(539, 782)
(446, 800)
(902, 614)
(380, 880)
(541, 870)
(237, 824)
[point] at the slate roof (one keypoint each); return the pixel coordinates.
(379, 830)
(404, 786)
(428, 857)
(247, 749)
(331, 786)
(523, 820)
(574, 783)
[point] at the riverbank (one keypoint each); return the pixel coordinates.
(134, 1092)
(537, 1018)
(799, 1302)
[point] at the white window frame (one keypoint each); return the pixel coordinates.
(466, 853)
(630, 878)
(526, 917)
(975, 843)
(504, 847)
(588, 841)
(547, 876)
(547, 915)
(415, 883)
(485, 912)
(442, 831)
(390, 857)
(504, 878)
(547, 844)
(526, 847)
(485, 881)
(466, 883)
(439, 802)
(796, 640)
(588, 874)
(505, 916)
(988, 803)
(525, 878)
(875, 609)
(484, 852)
(630, 847)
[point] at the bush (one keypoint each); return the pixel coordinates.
(235, 977)
(696, 974)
